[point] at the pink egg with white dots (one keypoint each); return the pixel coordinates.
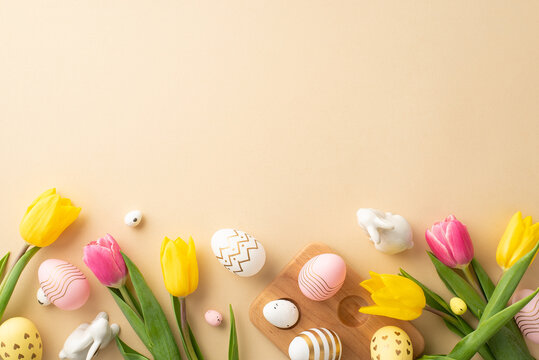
(213, 317)
(322, 276)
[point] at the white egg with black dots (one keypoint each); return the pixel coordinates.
(133, 218)
(281, 313)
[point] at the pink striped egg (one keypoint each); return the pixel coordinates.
(322, 276)
(62, 284)
(528, 318)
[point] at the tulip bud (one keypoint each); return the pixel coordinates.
(450, 242)
(105, 260)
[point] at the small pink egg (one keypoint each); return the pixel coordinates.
(213, 317)
(528, 318)
(322, 276)
(63, 284)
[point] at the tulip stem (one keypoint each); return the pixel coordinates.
(19, 255)
(127, 299)
(443, 315)
(191, 354)
(470, 276)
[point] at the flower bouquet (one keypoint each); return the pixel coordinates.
(496, 337)
(141, 308)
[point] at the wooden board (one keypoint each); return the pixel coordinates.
(339, 313)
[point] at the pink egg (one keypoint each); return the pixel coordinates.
(322, 276)
(63, 284)
(528, 318)
(213, 317)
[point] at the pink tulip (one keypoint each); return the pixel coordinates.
(450, 242)
(103, 257)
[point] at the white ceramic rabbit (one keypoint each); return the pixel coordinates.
(391, 234)
(87, 339)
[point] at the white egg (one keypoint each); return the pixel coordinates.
(238, 251)
(281, 313)
(133, 218)
(316, 344)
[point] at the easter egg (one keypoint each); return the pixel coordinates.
(316, 344)
(528, 318)
(281, 313)
(238, 252)
(391, 343)
(133, 218)
(458, 306)
(19, 339)
(322, 276)
(63, 284)
(213, 317)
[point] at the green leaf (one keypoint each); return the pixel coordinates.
(233, 352)
(13, 277)
(127, 352)
(467, 347)
(134, 319)
(3, 263)
(508, 284)
(508, 342)
(484, 280)
(458, 325)
(195, 344)
(458, 286)
(157, 327)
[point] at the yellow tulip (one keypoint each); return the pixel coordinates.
(46, 218)
(394, 296)
(519, 238)
(179, 266)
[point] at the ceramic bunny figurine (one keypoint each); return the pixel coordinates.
(87, 339)
(391, 234)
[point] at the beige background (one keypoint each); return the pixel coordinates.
(280, 118)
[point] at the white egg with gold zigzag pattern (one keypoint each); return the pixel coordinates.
(316, 344)
(238, 252)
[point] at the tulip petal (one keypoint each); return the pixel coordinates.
(193, 266)
(509, 239)
(459, 241)
(395, 313)
(438, 244)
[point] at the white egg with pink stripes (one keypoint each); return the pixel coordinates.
(62, 284)
(322, 276)
(316, 344)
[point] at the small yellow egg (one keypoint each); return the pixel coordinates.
(458, 306)
(19, 339)
(391, 343)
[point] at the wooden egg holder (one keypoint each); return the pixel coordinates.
(339, 313)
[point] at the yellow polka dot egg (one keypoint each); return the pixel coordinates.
(19, 339)
(391, 343)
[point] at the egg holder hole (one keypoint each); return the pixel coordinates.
(348, 311)
(299, 311)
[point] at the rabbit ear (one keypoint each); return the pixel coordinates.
(383, 224)
(93, 350)
(373, 234)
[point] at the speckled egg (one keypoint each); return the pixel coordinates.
(213, 317)
(238, 252)
(528, 318)
(63, 284)
(281, 313)
(19, 339)
(316, 344)
(322, 276)
(391, 343)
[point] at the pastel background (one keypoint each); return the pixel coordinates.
(280, 118)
